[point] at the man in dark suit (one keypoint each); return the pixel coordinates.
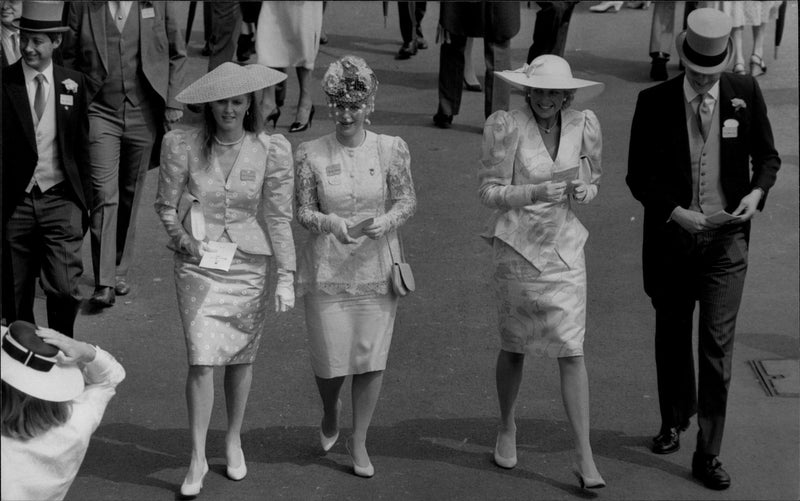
(133, 55)
(496, 23)
(551, 28)
(44, 171)
(10, 11)
(692, 138)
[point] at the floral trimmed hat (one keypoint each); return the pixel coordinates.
(349, 81)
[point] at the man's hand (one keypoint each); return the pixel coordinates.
(748, 205)
(692, 221)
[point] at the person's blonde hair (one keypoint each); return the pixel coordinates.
(25, 417)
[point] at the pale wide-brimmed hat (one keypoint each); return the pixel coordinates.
(547, 71)
(229, 80)
(706, 46)
(31, 366)
(40, 16)
(349, 81)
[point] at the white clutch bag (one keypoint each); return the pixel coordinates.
(190, 214)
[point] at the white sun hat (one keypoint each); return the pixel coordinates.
(31, 366)
(545, 72)
(229, 80)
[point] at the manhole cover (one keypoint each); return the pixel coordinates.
(778, 377)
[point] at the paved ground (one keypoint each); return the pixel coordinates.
(435, 423)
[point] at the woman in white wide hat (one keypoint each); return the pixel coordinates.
(227, 185)
(536, 162)
(54, 393)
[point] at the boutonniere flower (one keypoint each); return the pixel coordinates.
(70, 85)
(738, 104)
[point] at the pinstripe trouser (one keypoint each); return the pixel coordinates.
(708, 268)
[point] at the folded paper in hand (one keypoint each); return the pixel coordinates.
(357, 230)
(566, 176)
(722, 217)
(219, 255)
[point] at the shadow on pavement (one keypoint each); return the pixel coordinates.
(125, 453)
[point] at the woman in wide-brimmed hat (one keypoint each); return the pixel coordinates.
(54, 393)
(226, 185)
(354, 190)
(537, 161)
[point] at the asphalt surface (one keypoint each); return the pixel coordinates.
(434, 427)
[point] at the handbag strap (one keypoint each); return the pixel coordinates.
(402, 250)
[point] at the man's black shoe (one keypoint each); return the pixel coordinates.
(669, 440)
(103, 297)
(442, 121)
(708, 470)
(406, 51)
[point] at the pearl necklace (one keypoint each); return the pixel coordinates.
(221, 143)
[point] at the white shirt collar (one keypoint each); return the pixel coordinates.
(690, 94)
(31, 73)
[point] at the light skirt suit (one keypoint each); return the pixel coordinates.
(224, 312)
(350, 306)
(539, 266)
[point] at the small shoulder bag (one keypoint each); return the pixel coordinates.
(402, 277)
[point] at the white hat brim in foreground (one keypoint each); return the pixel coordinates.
(519, 79)
(229, 80)
(61, 383)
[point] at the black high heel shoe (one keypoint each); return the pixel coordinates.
(273, 117)
(298, 127)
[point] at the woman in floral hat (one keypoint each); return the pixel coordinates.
(353, 191)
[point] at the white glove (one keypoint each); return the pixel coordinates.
(338, 226)
(284, 291)
(583, 192)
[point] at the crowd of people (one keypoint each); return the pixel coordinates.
(92, 94)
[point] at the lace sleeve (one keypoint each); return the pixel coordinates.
(306, 196)
(173, 176)
(401, 187)
(496, 172)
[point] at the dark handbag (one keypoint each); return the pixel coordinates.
(402, 277)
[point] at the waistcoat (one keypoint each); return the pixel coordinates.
(125, 79)
(707, 196)
(48, 171)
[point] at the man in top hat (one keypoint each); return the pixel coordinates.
(692, 140)
(133, 55)
(44, 172)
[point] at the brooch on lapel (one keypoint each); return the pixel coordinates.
(738, 104)
(70, 87)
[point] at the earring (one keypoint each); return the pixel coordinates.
(366, 121)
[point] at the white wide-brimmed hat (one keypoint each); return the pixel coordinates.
(547, 71)
(229, 80)
(31, 366)
(706, 46)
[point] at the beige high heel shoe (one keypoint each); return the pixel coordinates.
(606, 6)
(193, 489)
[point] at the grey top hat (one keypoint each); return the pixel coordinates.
(706, 45)
(39, 16)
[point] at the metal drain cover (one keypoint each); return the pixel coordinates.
(778, 377)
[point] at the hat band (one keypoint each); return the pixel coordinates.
(34, 24)
(26, 357)
(701, 59)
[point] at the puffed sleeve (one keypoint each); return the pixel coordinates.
(277, 203)
(591, 154)
(496, 171)
(173, 175)
(401, 191)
